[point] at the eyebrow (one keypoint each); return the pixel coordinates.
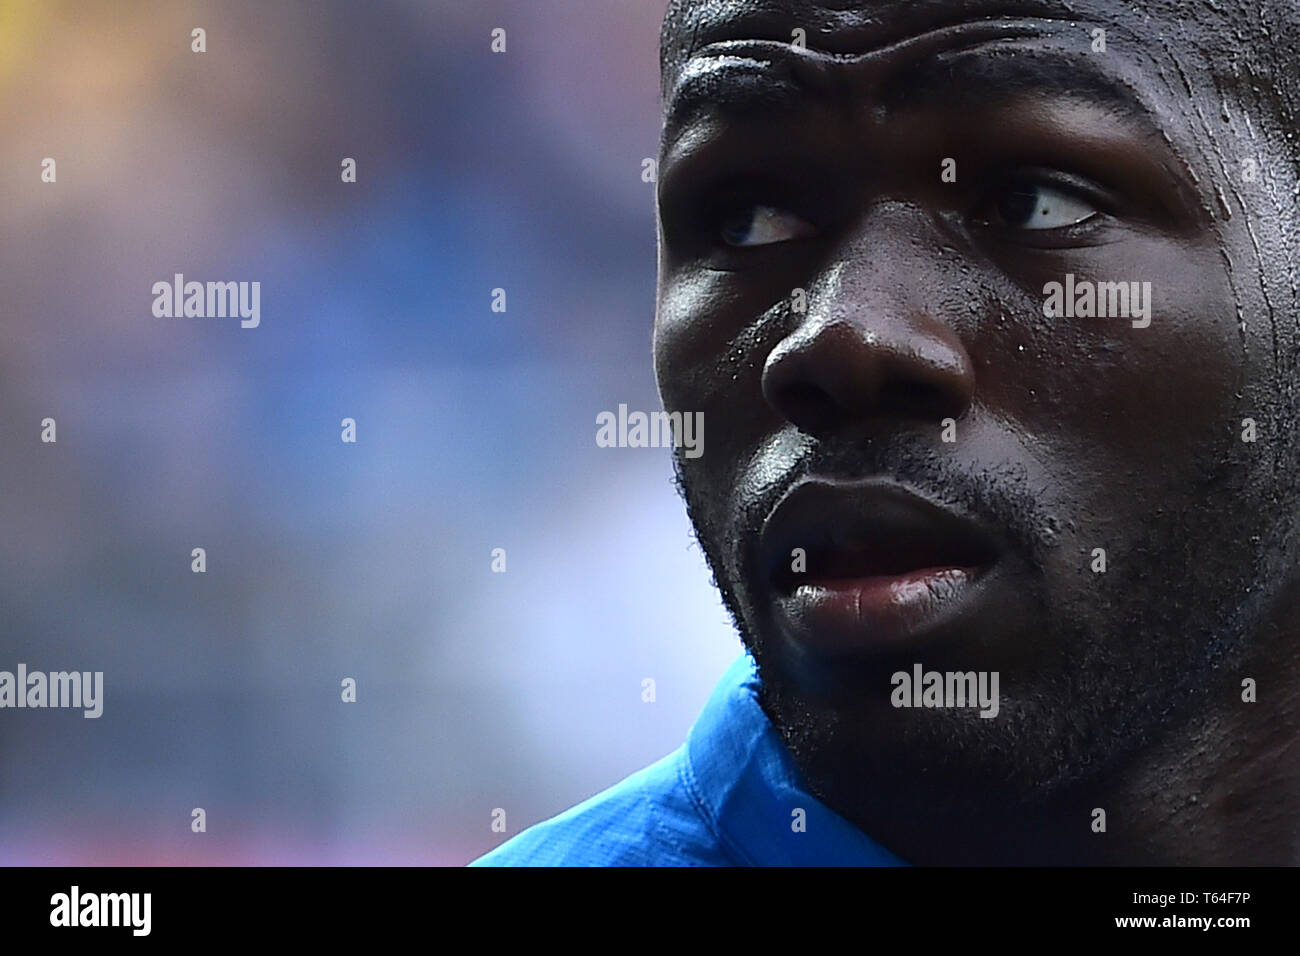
(733, 86)
(762, 85)
(704, 23)
(971, 78)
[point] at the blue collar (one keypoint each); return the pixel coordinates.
(745, 782)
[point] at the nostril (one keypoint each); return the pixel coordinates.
(814, 409)
(807, 405)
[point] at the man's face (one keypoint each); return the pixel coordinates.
(854, 251)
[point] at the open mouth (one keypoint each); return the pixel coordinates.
(873, 557)
(852, 566)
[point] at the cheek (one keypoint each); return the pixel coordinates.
(1105, 396)
(710, 344)
(686, 342)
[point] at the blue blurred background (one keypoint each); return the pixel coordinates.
(475, 429)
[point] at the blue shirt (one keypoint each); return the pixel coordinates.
(727, 797)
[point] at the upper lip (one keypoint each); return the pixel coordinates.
(865, 528)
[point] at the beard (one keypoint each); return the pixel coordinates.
(1114, 662)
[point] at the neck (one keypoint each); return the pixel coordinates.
(1224, 788)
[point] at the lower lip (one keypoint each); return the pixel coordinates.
(859, 614)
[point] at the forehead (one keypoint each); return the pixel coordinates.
(738, 55)
(1167, 65)
(1151, 30)
(693, 23)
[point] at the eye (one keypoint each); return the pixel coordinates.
(1036, 205)
(758, 225)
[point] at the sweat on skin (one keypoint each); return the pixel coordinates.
(818, 168)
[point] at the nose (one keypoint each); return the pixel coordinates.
(868, 346)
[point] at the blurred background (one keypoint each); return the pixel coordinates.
(475, 429)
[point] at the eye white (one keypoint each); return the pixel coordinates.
(1044, 207)
(764, 225)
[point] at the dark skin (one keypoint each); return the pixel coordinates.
(820, 170)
